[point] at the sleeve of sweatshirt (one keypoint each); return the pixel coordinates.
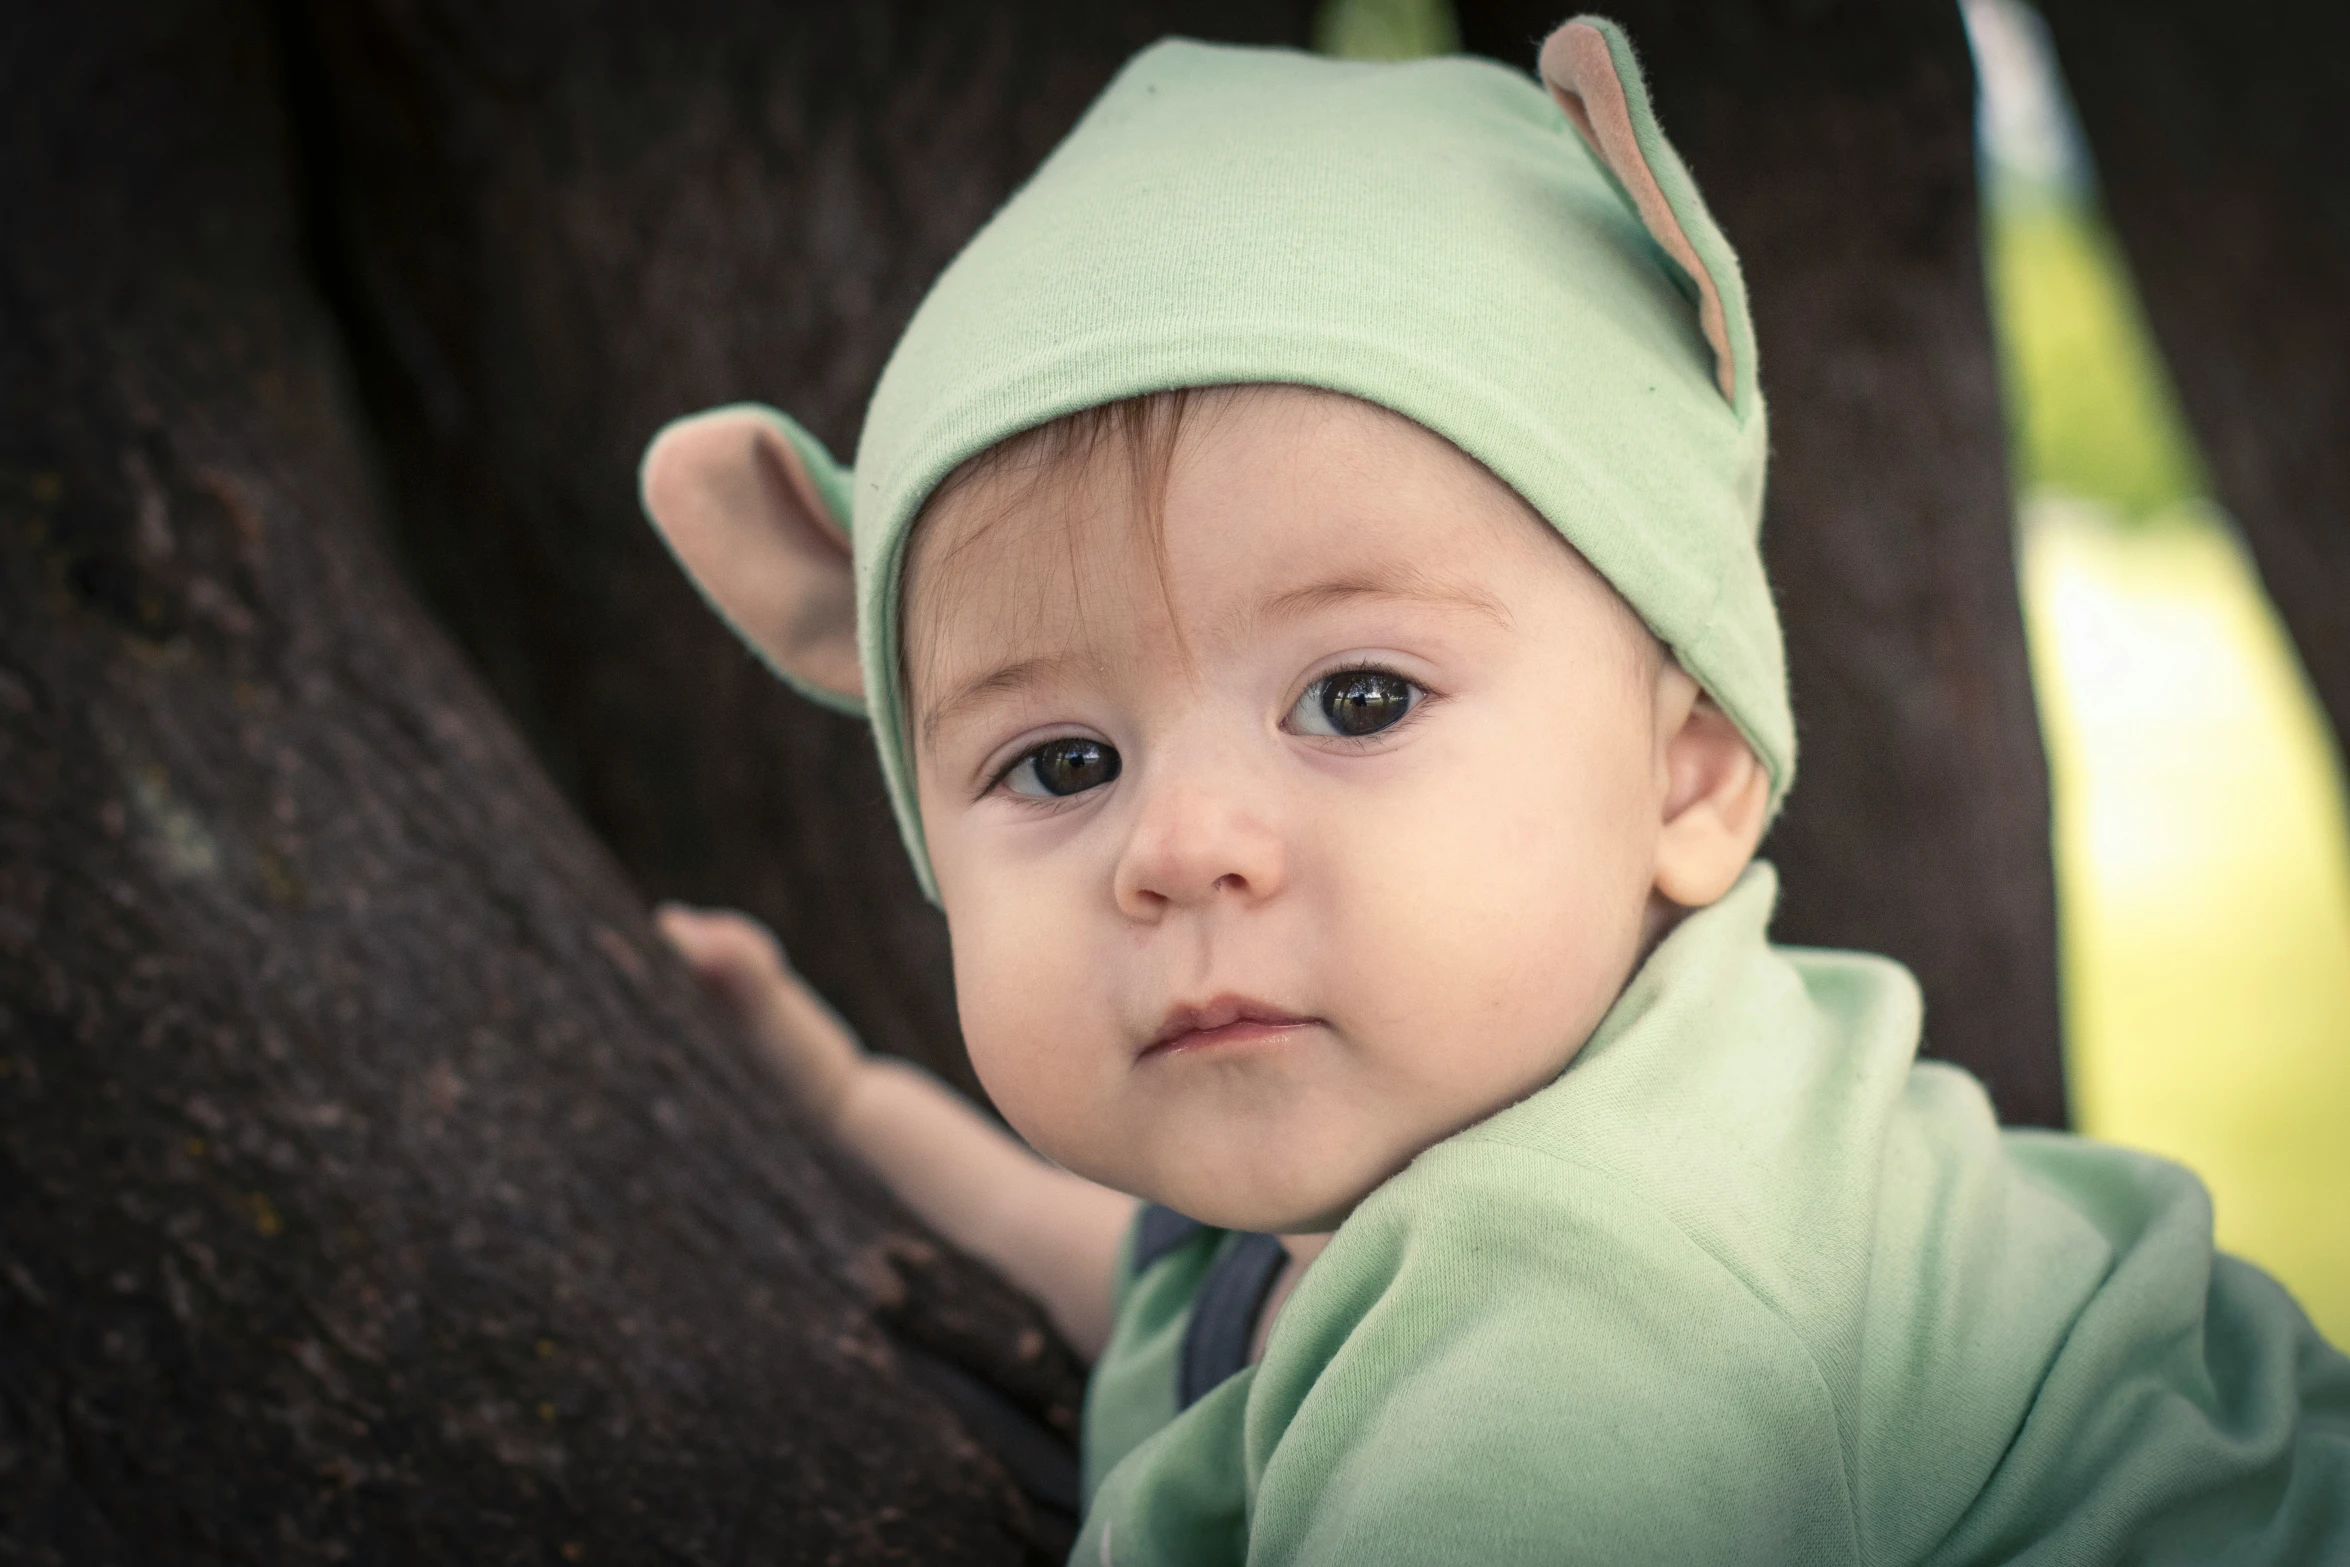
(1540, 1368)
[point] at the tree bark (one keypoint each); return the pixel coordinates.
(372, 1186)
(1835, 143)
(2223, 156)
(550, 228)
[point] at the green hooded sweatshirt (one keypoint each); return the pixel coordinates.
(1748, 1283)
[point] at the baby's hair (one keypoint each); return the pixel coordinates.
(1143, 429)
(1045, 462)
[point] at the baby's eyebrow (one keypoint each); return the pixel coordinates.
(1395, 580)
(1000, 681)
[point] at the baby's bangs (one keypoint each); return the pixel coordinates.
(1046, 463)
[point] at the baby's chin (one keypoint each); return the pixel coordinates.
(1278, 1162)
(1291, 1202)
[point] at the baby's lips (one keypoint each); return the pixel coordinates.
(1186, 1019)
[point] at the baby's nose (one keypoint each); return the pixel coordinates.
(1193, 843)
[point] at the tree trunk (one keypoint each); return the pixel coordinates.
(2223, 153)
(372, 1187)
(1834, 141)
(551, 228)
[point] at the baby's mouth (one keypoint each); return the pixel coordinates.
(1225, 1020)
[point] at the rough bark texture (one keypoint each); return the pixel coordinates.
(2223, 149)
(1834, 142)
(372, 1187)
(551, 228)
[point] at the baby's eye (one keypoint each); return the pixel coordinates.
(1353, 702)
(1063, 767)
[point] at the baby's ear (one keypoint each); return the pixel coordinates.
(1589, 68)
(1716, 794)
(752, 507)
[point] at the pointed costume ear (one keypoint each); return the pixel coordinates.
(755, 510)
(1590, 70)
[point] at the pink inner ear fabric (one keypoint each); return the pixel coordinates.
(784, 466)
(1581, 75)
(744, 517)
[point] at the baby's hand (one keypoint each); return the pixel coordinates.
(742, 968)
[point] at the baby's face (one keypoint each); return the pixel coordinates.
(1281, 848)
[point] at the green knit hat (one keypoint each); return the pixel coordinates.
(1529, 274)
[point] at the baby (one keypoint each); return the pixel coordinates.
(1301, 569)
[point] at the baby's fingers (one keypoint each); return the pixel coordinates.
(741, 966)
(719, 943)
(734, 957)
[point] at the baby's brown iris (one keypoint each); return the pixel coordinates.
(1074, 765)
(1364, 701)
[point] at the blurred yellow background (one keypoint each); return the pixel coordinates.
(2203, 876)
(2202, 857)
(2203, 867)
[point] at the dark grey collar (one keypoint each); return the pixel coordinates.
(1224, 1309)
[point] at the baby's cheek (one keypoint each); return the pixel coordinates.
(992, 998)
(1023, 1012)
(1497, 925)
